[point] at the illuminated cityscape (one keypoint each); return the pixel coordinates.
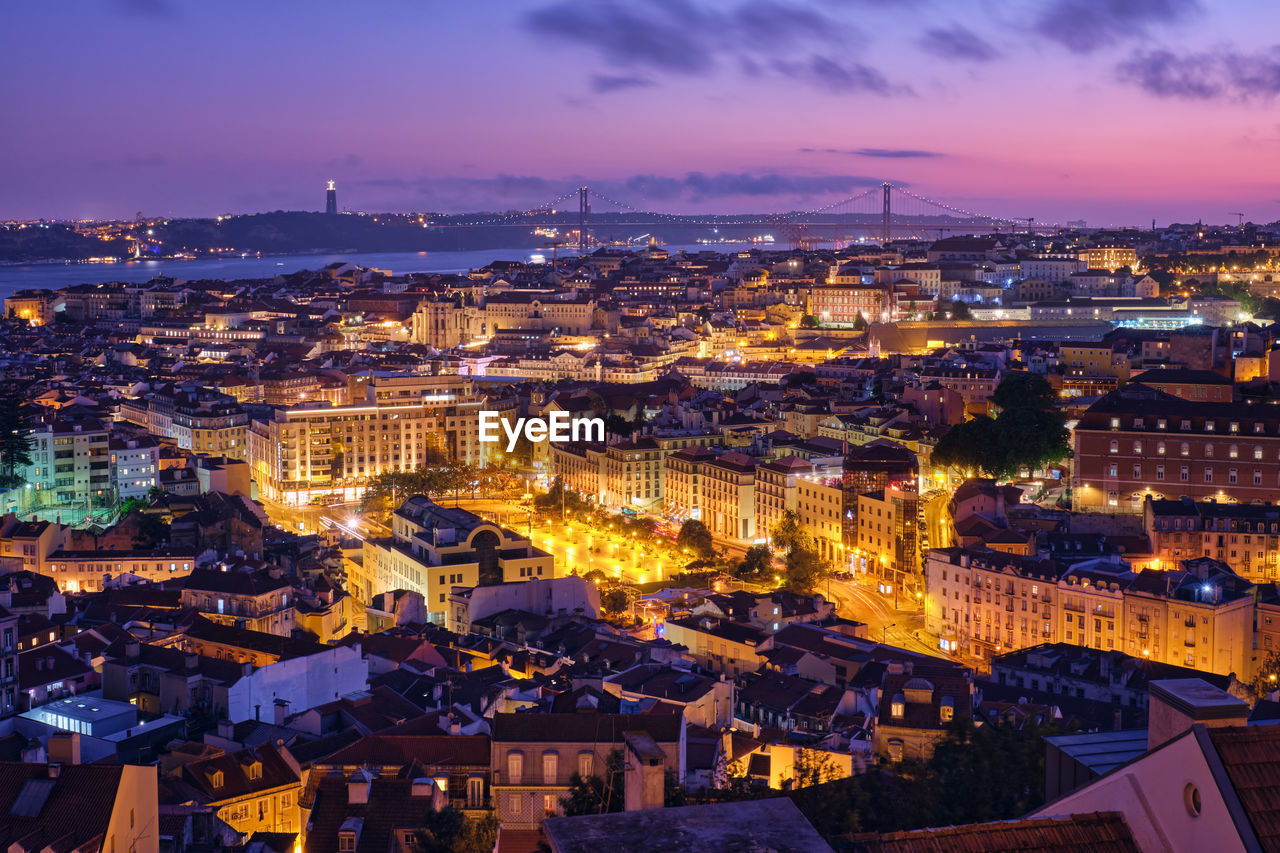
(660, 427)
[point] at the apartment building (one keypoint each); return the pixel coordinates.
(1139, 442)
(892, 471)
(434, 549)
(26, 545)
(775, 490)
(70, 462)
(684, 474)
(974, 384)
(1244, 536)
(254, 790)
(260, 601)
(87, 571)
(633, 473)
(135, 465)
(720, 645)
(819, 505)
(579, 466)
(985, 602)
(317, 449)
(729, 501)
(884, 547)
(197, 419)
(844, 304)
(533, 757)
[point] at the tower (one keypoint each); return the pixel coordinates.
(885, 220)
(330, 199)
(584, 213)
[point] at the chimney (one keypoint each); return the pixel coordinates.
(282, 711)
(132, 649)
(192, 661)
(226, 729)
(64, 748)
(1177, 704)
(54, 770)
(644, 773)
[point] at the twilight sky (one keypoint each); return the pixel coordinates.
(1115, 111)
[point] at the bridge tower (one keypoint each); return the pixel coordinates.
(886, 217)
(584, 214)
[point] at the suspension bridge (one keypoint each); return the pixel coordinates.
(880, 213)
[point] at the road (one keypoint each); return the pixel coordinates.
(937, 520)
(885, 623)
(582, 547)
(576, 546)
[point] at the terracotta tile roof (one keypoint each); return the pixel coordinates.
(519, 841)
(402, 750)
(276, 770)
(1098, 832)
(391, 808)
(1251, 756)
(584, 728)
(72, 811)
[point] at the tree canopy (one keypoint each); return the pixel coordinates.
(756, 564)
(695, 536)
(16, 417)
(451, 831)
(1024, 390)
(983, 773)
(1027, 434)
(805, 566)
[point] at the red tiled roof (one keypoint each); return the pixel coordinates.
(75, 811)
(1251, 757)
(1098, 832)
(402, 750)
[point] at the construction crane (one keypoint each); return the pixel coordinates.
(555, 247)
(1239, 218)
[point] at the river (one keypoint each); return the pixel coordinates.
(53, 276)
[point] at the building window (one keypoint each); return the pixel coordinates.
(549, 761)
(515, 767)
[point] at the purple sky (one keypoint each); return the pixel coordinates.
(1115, 111)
